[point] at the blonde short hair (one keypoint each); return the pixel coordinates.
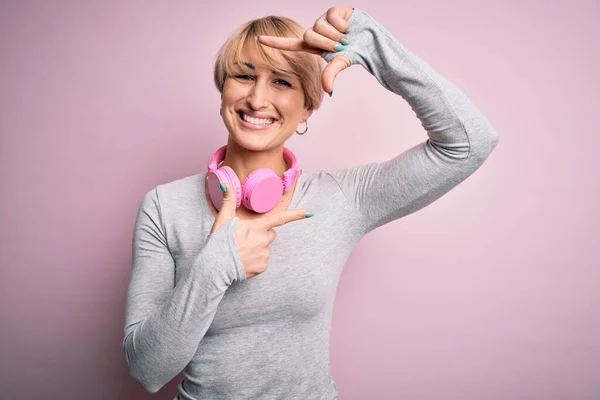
(308, 67)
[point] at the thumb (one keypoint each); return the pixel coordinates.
(334, 67)
(228, 207)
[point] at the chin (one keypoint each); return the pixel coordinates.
(252, 142)
(258, 141)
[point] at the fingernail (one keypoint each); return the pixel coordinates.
(345, 41)
(331, 93)
(309, 214)
(338, 47)
(255, 37)
(347, 31)
(223, 188)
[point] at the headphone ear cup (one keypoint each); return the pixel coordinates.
(262, 190)
(227, 176)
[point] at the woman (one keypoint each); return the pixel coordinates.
(201, 299)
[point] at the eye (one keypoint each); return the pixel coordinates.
(283, 82)
(243, 77)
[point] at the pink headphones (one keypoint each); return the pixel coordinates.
(262, 189)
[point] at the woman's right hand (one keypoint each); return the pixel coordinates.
(253, 237)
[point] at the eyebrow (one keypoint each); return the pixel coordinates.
(275, 72)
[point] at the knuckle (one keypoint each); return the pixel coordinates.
(265, 241)
(334, 10)
(265, 259)
(308, 33)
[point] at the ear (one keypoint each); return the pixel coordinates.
(307, 113)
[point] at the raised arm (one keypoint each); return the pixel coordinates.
(459, 140)
(164, 323)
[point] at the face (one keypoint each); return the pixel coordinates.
(262, 108)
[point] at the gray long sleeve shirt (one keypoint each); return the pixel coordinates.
(190, 306)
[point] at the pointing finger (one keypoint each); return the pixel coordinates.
(286, 43)
(284, 217)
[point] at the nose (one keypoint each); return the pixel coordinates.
(258, 97)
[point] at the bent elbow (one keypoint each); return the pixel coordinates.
(482, 146)
(141, 374)
(151, 387)
(151, 384)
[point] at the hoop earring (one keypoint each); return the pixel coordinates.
(303, 132)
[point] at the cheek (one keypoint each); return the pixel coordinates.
(291, 105)
(232, 91)
(228, 96)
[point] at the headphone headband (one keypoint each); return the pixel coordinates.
(289, 176)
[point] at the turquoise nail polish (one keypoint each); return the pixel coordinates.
(338, 47)
(309, 214)
(345, 41)
(223, 188)
(255, 37)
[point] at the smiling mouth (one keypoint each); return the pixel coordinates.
(263, 122)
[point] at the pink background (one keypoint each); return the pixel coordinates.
(492, 292)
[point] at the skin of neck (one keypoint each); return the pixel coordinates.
(244, 161)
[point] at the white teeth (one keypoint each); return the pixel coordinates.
(257, 121)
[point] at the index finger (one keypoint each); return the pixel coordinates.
(284, 217)
(287, 43)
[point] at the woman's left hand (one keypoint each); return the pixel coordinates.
(325, 35)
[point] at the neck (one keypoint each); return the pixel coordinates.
(244, 161)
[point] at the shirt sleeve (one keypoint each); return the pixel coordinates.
(164, 322)
(459, 139)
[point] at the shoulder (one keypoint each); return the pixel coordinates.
(180, 191)
(185, 186)
(321, 184)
